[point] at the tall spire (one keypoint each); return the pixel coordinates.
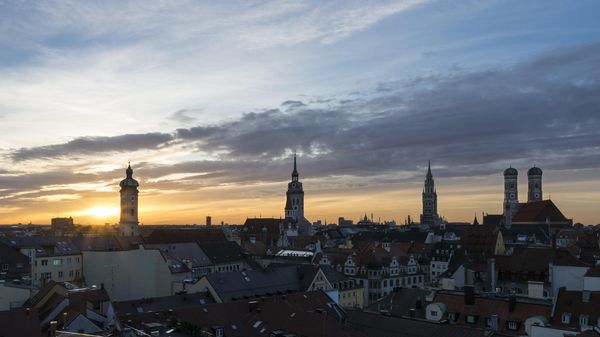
(429, 169)
(295, 172)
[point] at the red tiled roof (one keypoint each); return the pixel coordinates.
(19, 323)
(573, 302)
(486, 307)
(539, 211)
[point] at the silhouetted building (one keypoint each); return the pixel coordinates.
(129, 225)
(430, 214)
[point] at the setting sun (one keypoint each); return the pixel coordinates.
(101, 212)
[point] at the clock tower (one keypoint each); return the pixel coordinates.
(129, 225)
(430, 215)
(294, 205)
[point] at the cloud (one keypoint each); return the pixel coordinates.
(290, 104)
(94, 146)
(543, 111)
(182, 116)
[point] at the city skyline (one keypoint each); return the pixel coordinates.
(209, 103)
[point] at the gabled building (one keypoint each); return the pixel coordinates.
(83, 310)
(251, 284)
(14, 265)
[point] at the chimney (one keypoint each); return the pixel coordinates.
(469, 295)
(53, 325)
(495, 320)
(252, 306)
(492, 274)
(418, 304)
(512, 302)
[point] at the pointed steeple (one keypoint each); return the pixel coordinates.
(295, 172)
(429, 175)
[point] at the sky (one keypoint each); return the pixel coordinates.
(210, 100)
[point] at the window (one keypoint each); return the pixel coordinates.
(77, 260)
(433, 313)
(5, 267)
(71, 273)
(57, 262)
(472, 319)
(566, 318)
(583, 320)
(60, 274)
(44, 262)
(76, 273)
(513, 325)
(69, 260)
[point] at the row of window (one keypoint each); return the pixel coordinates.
(584, 319)
(59, 274)
(235, 267)
(58, 261)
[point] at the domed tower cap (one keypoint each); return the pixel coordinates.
(534, 171)
(129, 181)
(511, 172)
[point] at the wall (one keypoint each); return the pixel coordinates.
(566, 276)
(12, 297)
(591, 283)
(130, 274)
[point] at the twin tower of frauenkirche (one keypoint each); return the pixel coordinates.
(511, 190)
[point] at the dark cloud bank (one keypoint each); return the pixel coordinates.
(544, 111)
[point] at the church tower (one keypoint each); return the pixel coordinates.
(294, 205)
(511, 195)
(534, 176)
(430, 215)
(129, 225)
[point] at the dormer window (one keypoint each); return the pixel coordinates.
(472, 319)
(583, 320)
(566, 318)
(453, 316)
